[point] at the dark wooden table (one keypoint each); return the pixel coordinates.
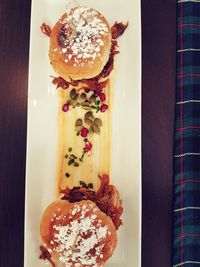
(159, 62)
(159, 34)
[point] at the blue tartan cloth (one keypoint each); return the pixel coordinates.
(186, 235)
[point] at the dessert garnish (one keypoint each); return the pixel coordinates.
(118, 29)
(90, 125)
(89, 100)
(74, 160)
(46, 29)
(106, 198)
(45, 255)
(89, 185)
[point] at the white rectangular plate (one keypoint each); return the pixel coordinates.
(126, 139)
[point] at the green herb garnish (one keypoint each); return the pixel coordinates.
(70, 162)
(72, 156)
(76, 164)
(90, 185)
(83, 184)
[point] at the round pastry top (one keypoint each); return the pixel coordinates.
(82, 35)
(78, 234)
(80, 44)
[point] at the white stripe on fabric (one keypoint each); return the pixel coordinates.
(189, 49)
(188, 101)
(187, 208)
(186, 262)
(187, 154)
(193, 1)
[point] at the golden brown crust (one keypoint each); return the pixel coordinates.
(92, 45)
(94, 227)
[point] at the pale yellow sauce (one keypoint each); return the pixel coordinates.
(100, 160)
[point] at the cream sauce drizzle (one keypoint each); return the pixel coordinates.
(100, 160)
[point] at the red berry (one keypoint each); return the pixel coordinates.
(84, 132)
(102, 97)
(104, 107)
(65, 108)
(88, 146)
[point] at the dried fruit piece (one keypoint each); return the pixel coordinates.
(92, 99)
(87, 108)
(78, 128)
(96, 129)
(83, 96)
(76, 97)
(91, 131)
(72, 93)
(79, 122)
(98, 122)
(88, 121)
(72, 102)
(85, 104)
(89, 115)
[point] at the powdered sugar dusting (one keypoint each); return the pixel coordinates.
(83, 30)
(79, 242)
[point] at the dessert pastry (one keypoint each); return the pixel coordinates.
(78, 234)
(79, 229)
(80, 44)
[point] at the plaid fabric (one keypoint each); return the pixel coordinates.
(186, 239)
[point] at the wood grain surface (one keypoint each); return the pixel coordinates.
(14, 51)
(159, 31)
(158, 91)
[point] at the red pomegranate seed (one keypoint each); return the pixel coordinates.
(102, 97)
(84, 132)
(65, 108)
(104, 107)
(88, 146)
